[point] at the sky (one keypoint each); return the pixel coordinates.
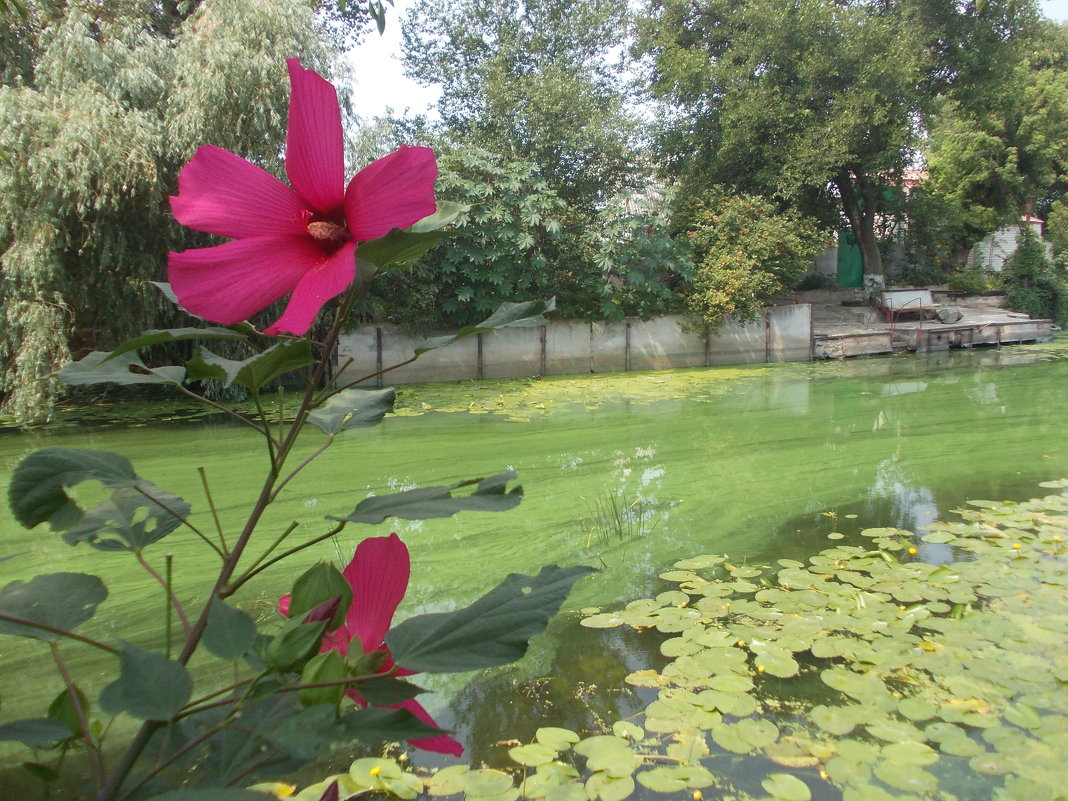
(380, 83)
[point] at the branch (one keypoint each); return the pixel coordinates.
(63, 633)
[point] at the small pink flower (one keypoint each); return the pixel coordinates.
(378, 575)
(300, 240)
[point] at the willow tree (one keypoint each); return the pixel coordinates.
(100, 105)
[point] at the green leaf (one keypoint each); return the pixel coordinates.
(149, 686)
(508, 315)
(210, 794)
(328, 666)
(36, 490)
(494, 630)
(387, 691)
(132, 519)
(230, 633)
(62, 709)
(317, 585)
(784, 787)
(255, 371)
(35, 732)
(428, 502)
(158, 336)
(104, 367)
(375, 725)
(294, 645)
(446, 214)
(401, 249)
(60, 600)
(353, 408)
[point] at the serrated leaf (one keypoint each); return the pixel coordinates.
(149, 686)
(255, 371)
(60, 600)
(104, 367)
(508, 315)
(494, 630)
(132, 519)
(353, 408)
(36, 494)
(230, 633)
(490, 495)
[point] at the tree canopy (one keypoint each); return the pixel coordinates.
(100, 106)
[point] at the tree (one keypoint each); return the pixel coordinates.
(530, 80)
(99, 108)
(991, 157)
(812, 103)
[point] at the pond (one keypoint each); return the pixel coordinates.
(627, 473)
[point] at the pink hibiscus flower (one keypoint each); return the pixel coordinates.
(378, 575)
(300, 240)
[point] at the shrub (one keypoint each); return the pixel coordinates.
(746, 250)
(1032, 284)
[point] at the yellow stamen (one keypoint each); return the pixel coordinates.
(327, 231)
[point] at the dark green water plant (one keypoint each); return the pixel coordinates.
(865, 674)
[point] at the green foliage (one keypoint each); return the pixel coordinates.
(532, 79)
(99, 107)
(637, 268)
(855, 674)
(746, 251)
(788, 101)
(1033, 285)
(503, 249)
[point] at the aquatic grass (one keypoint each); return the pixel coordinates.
(614, 518)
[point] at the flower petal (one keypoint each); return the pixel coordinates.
(439, 744)
(221, 193)
(231, 282)
(393, 192)
(326, 279)
(315, 146)
(378, 575)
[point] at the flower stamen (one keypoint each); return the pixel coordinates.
(327, 231)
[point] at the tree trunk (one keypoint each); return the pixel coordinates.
(860, 204)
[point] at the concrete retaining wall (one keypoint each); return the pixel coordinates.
(569, 346)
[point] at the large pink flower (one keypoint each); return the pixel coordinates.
(300, 240)
(378, 575)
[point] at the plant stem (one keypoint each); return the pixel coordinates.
(236, 415)
(214, 510)
(167, 589)
(92, 748)
(184, 520)
(166, 603)
(318, 451)
(259, 568)
(222, 587)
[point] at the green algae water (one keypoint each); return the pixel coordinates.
(626, 473)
